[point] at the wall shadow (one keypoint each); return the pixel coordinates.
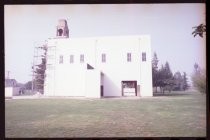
(110, 87)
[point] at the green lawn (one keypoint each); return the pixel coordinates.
(181, 115)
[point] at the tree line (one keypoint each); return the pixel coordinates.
(165, 79)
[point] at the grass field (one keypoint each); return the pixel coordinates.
(180, 115)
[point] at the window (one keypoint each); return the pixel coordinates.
(71, 58)
(103, 57)
(143, 56)
(61, 59)
(82, 58)
(128, 57)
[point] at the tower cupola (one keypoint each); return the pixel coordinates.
(62, 29)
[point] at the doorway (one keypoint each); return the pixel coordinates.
(102, 90)
(129, 88)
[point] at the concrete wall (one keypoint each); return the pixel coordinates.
(146, 68)
(75, 80)
(116, 68)
(69, 79)
(93, 83)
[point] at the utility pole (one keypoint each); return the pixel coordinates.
(8, 74)
(32, 82)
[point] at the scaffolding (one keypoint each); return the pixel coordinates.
(37, 60)
(49, 74)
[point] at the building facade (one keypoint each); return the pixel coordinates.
(98, 66)
(11, 88)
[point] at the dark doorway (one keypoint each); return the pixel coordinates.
(129, 88)
(102, 91)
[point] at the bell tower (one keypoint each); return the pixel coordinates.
(62, 29)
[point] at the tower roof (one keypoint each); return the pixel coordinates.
(62, 22)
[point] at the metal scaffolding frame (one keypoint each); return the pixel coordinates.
(37, 59)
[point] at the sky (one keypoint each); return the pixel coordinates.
(169, 25)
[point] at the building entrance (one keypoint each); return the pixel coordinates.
(129, 88)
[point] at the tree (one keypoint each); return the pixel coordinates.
(155, 61)
(40, 72)
(161, 77)
(28, 85)
(168, 78)
(165, 79)
(178, 81)
(199, 79)
(168, 73)
(199, 30)
(185, 82)
(196, 68)
(155, 71)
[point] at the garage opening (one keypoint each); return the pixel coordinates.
(129, 88)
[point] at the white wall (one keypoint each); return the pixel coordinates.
(16, 91)
(69, 79)
(73, 79)
(146, 68)
(8, 92)
(12, 91)
(49, 88)
(93, 83)
(117, 69)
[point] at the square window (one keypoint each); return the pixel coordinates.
(103, 57)
(144, 56)
(71, 58)
(61, 59)
(82, 58)
(128, 57)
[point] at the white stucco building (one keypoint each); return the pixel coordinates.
(98, 66)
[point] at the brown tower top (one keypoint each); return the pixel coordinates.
(62, 29)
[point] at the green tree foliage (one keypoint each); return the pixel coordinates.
(178, 81)
(185, 81)
(155, 71)
(28, 85)
(161, 77)
(199, 79)
(155, 62)
(199, 30)
(165, 78)
(168, 73)
(40, 72)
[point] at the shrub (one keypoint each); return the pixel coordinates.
(199, 81)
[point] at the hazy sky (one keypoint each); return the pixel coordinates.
(170, 27)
